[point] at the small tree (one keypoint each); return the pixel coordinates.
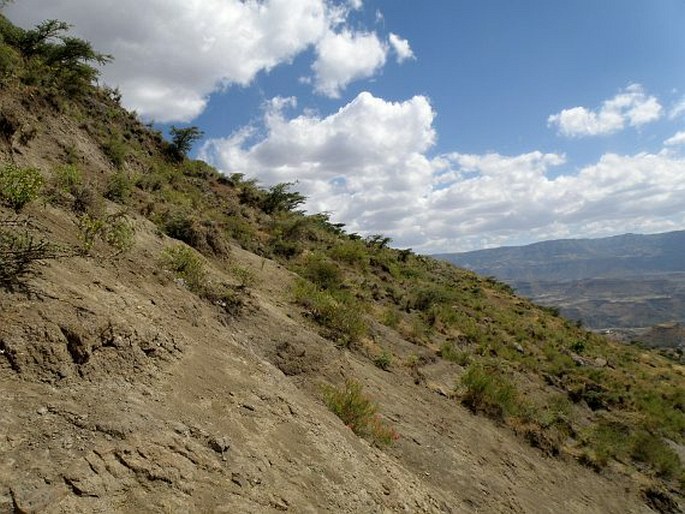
(182, 140)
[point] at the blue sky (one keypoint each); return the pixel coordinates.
(448, 125)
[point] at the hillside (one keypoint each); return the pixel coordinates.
(627, 282)
(177, 340)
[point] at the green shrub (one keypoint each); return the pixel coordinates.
(653, 451)
(119, 187)
(187, 266)
(246, 277)
(116, 150)
(19, 186)
(383, 360)
(489, 391)
(322, 272)
(67, 178)
(359, 413)
(339, 313)
(452, 354)
(114, 229)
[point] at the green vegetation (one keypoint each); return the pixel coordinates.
(359, 413)
(114, 229)
(187, 266)
(19, 186)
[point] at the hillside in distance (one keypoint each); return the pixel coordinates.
(176, 339)
(629, 281)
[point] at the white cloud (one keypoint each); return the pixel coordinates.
(170, 55)
(370, 165)
(677, 110)
(677, 139)
(344, 57)
(401, 47)
(631, 106)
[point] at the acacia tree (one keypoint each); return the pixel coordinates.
(182, 140)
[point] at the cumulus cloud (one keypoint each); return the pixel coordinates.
(370, 164)
(401, 47)
(170, 55)
(630, 107)
(677, 139)
(344, 57)
(361, 162)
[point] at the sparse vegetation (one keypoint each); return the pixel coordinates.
(561, 388)
(20, 252)
(359, 413)
(19, 186)
(186, 266)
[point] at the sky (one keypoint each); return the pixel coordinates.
(447, 125)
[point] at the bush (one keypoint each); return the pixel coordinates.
(359, 413)
(489, 391)
(19, 186)
(322, 272)
(118, 187)
(450, 353)
(339, 314)
(383, 360)
(115, 230)
(20, 251)
(187, 266)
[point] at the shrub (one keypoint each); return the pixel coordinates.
(452, 354)
(322, 272)
(19, 186)
(114, 229)
(489, 391)
(187, 266)
(67, 178)
(20, 251)
(340, 314)
(653, 451)
(182, 140)
(359, 413)
(383, 360)
(118, 187)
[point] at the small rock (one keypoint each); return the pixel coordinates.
(42, 411)
(220, 444)
(238, 480)
(601, 362)
(248, 407)
(519, 348)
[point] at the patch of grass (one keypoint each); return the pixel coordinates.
(321, 272)
(339, 313)
(119, 187)
(19, 186)
(187, 266)
(383, 360)
(488, 390)
(452, 354)
(359, 413)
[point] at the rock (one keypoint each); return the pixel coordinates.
(30, 498)
(601, 362)
(220, 444)
(519, 348)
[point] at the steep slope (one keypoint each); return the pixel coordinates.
(173, 340)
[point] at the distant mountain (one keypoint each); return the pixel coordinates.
(626, 281)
